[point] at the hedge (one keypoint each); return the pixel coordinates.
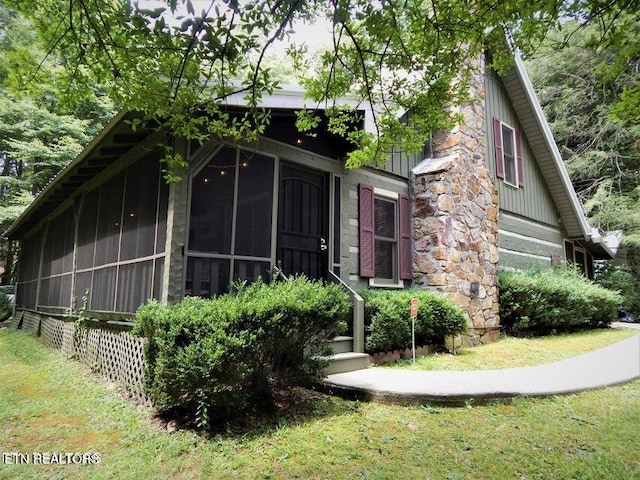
(623, 280)
(217, 356)
(553, 300)
(388, 322)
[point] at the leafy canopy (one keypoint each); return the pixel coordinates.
(177, 61)
(586, 90)
(45, 121)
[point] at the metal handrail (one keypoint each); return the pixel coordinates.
(358, 312)
(279, 273)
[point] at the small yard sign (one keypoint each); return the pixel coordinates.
(414, 307)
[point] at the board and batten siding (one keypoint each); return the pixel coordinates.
(533, 200)
(400, 162)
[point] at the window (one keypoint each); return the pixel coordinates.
(581, 259)
(579, 256)
(385, 236)
(386, 239)
(568, 250)
(508, 154)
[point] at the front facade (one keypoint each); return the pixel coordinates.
(108, 233)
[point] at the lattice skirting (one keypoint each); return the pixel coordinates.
(31, 323)
(109, 350)
(16, 321)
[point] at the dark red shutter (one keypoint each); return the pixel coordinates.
(404, 216)
(519, 159)
(365, 223)
(497, 138)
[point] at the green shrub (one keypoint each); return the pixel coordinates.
(221, 355)
(388, 322)
(559, 299)
(5, 307)
(290, 318)
(622, 280)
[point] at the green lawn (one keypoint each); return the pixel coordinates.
(511, 352)
(48, 404)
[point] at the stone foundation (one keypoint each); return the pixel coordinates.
(455, 220)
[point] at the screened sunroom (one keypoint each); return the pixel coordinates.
(108, 233)
(102, 234)
(95, 237)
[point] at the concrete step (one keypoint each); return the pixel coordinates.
(342, 344)
(347, 362)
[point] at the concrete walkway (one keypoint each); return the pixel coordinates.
(612, 365)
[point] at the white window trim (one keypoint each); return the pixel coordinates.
(581, 251)
(515, 156)
(382, 282)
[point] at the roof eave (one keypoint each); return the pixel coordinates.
(52, 184)
(561, 170)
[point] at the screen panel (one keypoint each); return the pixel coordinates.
(134, 285)
(255, 205)
(207, 277)
(82, 294)
(109, 220)
(103, 289)
(87, 229)
(212, 204)
(140, 204)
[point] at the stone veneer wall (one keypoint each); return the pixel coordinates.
(455, 213)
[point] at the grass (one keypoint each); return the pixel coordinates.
(511, 352)
(48, 404)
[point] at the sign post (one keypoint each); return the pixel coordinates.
(414, 314)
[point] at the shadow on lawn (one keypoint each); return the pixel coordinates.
(291, 406)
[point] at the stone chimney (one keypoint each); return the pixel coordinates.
(455, 219)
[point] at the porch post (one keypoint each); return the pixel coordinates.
(177, 211)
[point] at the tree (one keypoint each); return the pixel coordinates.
(39, 135)
(586, 90)
(580, 88)
(177, 65)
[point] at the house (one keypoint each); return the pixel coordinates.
(108, 232)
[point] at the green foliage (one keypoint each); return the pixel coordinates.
(42, 141)
(213, 356)
(551, 300)
(5, 307)
(174, 63)
(44, 121)
(388, 322)
(622, 280)
(589, 92)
